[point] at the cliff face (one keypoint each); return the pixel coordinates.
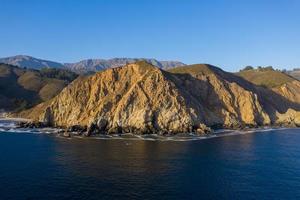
(280, 94)
(227, 100)
(141, 98)
(138, 97)
(289, 90)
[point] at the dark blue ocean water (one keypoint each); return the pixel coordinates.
(262, 165)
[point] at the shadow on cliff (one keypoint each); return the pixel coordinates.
(270, 100)
(17, 97)
(201, 95)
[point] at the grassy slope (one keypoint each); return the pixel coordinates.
(22, 88)
(193, 69)
(266, 78)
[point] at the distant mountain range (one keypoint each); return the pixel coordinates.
(30, 62)
(295, 73)
(84, 66)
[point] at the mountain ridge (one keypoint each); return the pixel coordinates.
(83, 66)
(30, 62)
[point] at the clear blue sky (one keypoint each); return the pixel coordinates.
(227, 33)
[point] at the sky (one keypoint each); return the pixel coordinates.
(228, 33)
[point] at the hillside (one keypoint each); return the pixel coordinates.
(23, 88)
(84, 66)
(265, 77)
(142, 98)
(277, 81)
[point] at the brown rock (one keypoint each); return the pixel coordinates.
(141, 98)
(66, 134)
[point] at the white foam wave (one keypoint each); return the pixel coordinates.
(11, 127)
(185, 138)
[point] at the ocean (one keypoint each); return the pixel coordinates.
(256, 165)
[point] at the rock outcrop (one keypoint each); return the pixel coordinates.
(280, 94)
(289, 90)
(141, 98)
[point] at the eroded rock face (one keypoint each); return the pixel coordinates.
(136, 98)
(290, 117)
(225, 100)
(289, 90)
(141, 98)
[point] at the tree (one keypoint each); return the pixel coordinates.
(269, 68)
(247, 68)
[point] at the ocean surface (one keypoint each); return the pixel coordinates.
(254, 165)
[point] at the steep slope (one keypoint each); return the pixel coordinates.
(30, 62)
(141, 98)
(279, 82)
(23, 88)
(136, 98)
(232, 101)
(280, 91)
(289, 90)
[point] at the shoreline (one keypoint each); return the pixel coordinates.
(131, 136)
(84, 131)
(148, 137)
(15, 119)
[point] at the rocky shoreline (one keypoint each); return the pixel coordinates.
(85, 131)
(27, 126)
(78, 130)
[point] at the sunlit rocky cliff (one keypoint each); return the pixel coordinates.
(142, 98)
